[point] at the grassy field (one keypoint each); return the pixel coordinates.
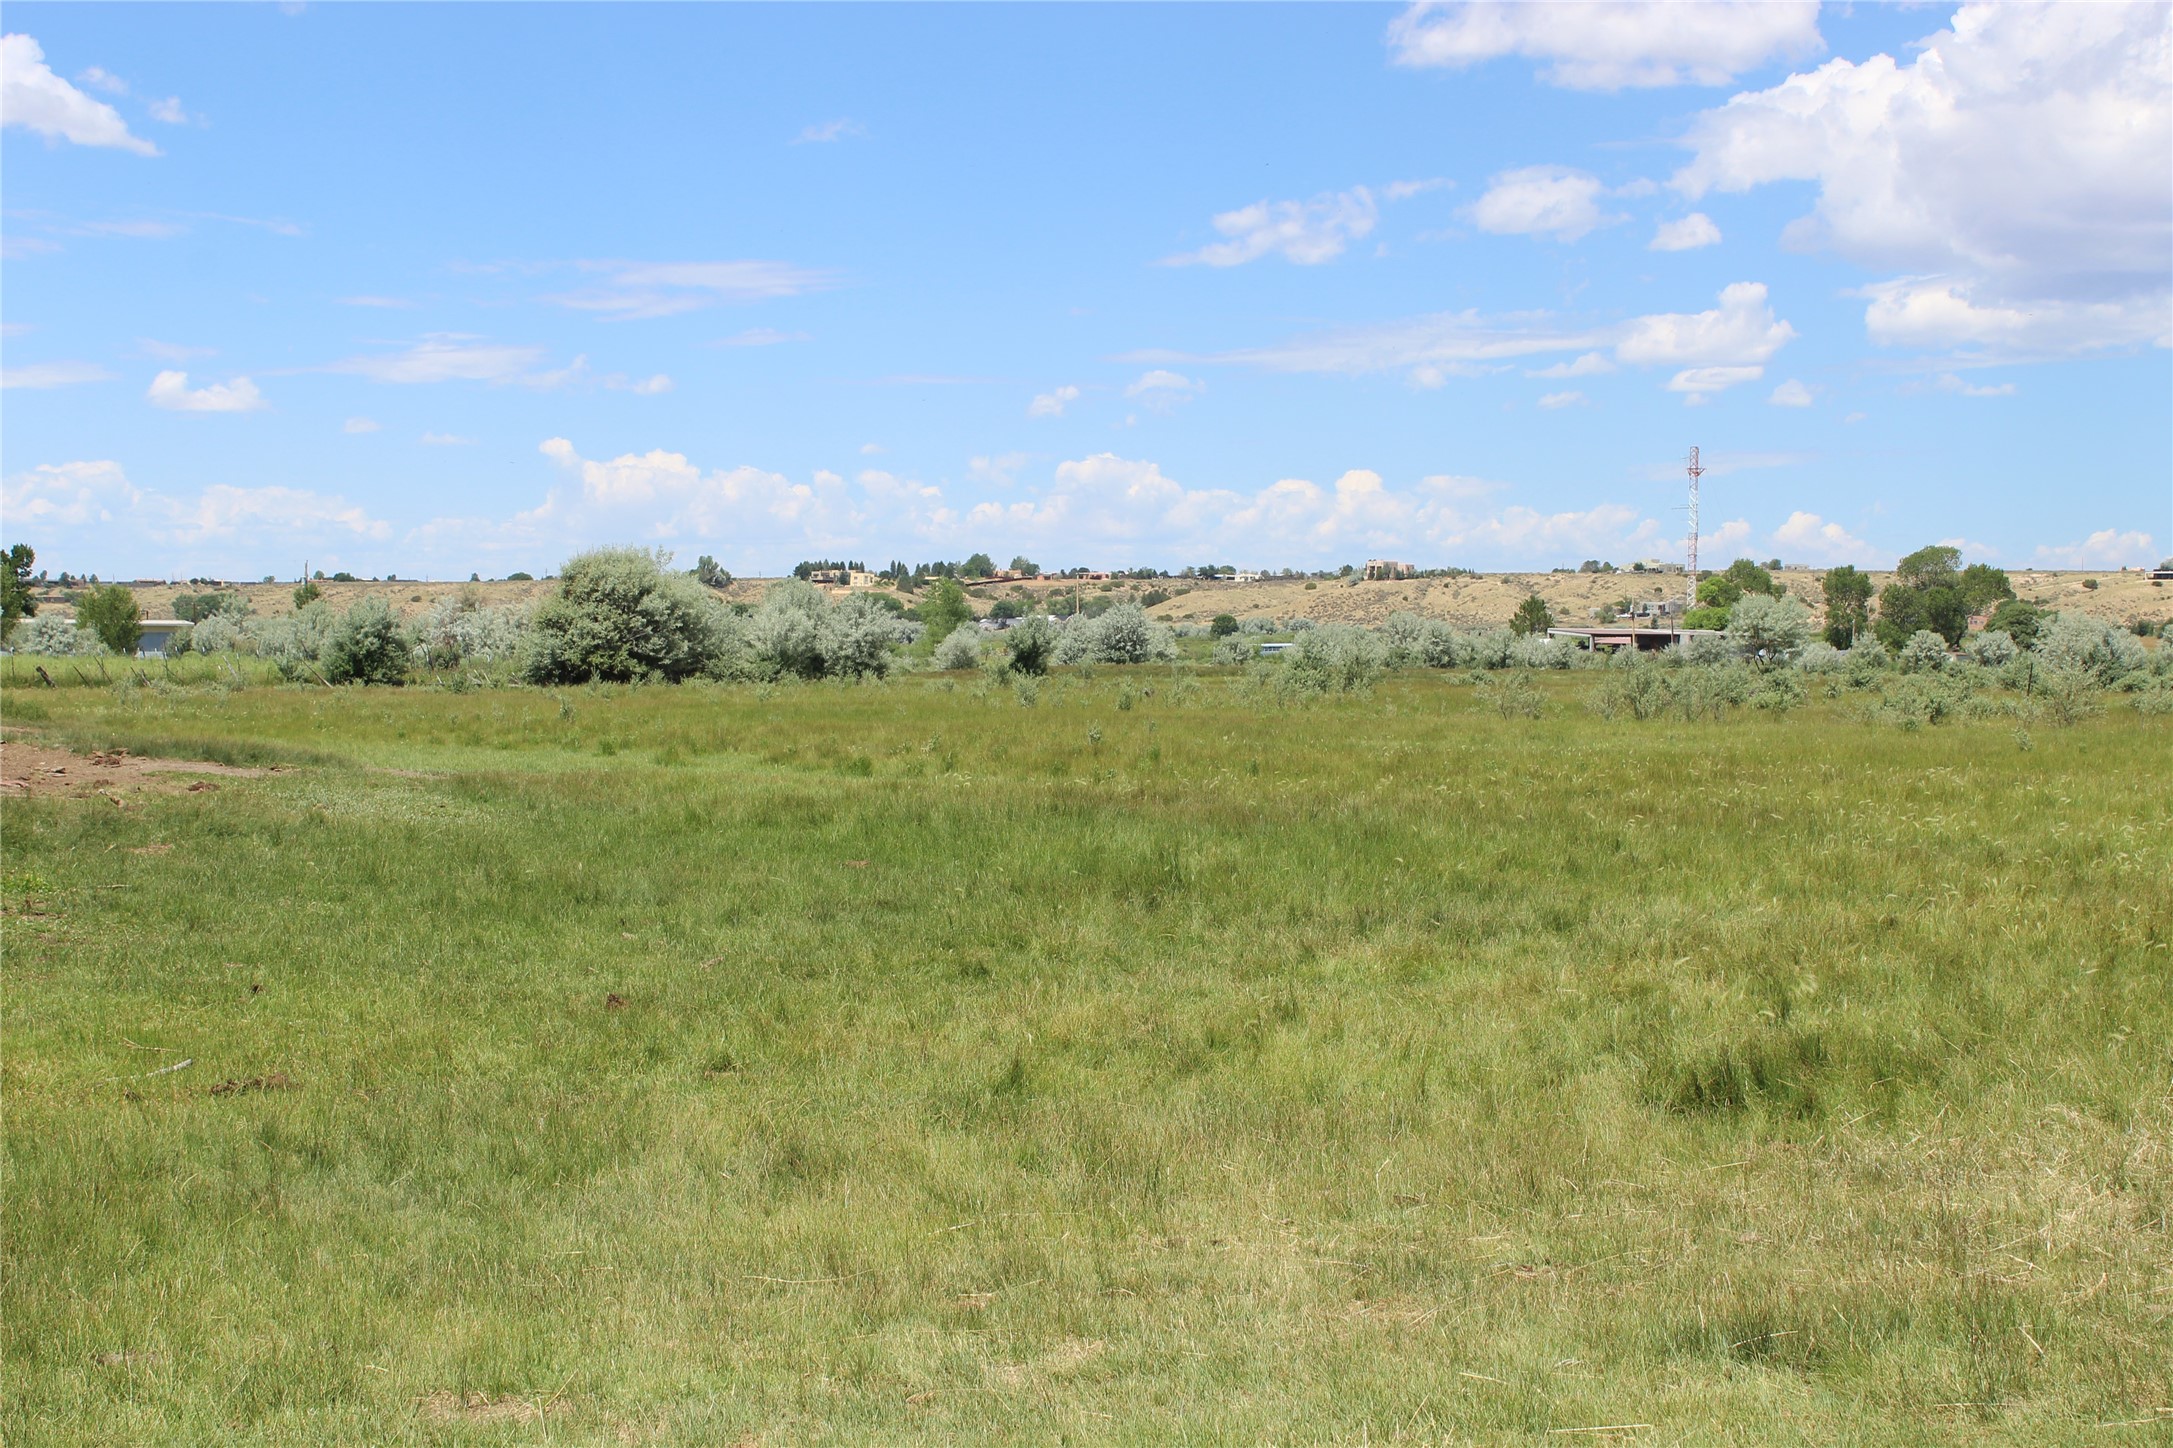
(1148, 1064)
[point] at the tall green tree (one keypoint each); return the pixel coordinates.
(944, 609)
(1926, 593)
(1848, 604)
(111, 613)
(1983, 586)
(2016, 619)
(980, 565)
(1740, 577)
(1532, 616)
(15, 600)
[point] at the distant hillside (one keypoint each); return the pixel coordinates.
(1473, 601)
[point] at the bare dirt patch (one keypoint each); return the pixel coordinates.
(28, 768)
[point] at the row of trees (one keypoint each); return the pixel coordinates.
(1931, 592)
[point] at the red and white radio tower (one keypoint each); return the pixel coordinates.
(1696, 472)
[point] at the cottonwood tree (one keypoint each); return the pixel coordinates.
(1848, 604)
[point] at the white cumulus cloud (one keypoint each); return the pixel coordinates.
(1553, 400)
(1053, 402)
(358, 425)
(2106, 548)
(1164, 390)
(1791, 394)
(55, 499)
(32, 97)
(2014, 172)
(1304, 232)
(1688, 234)
(1742, 329)
(1808, 538)
(171, 391)
(1609, 46)
(1557, 201)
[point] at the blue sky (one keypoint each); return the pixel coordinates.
(440, 289)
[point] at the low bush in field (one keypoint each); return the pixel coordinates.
(1031, 646)
(796, 632)
(457, 630)
(1333, 659)
(1124, 634)
(2075, 643)
(620, 615)
(53, 636)
(1924, 652)
(1233, 649)
(1994, 650)
(1511, 695)
(294, 642)
(958, 649)
(365, 647)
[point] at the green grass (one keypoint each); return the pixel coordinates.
(1146, 1065)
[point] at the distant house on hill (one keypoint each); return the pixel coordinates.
(1390, 568)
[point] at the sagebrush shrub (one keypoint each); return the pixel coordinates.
(365, 647)
(295, 641)
(1032, 644)
(1334, 659)
(1122, 635)
(454, 630)
(1924, 652)
(1763, 627)
(1234, 649)
(1820, 657)
(2091, 648)
(620, 615)
(1992, 650)
(1512, 695)
(54, 636)
(959, 649)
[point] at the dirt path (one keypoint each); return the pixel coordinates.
(28, 768)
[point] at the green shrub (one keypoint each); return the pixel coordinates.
(1761, 626)
(1924, 652)
(52, 635)
(959, 649)
(1233, 649)
(798, 632)
(1512, 695)
(1224, 625)
(1123, 634)
(1032, 645)
(365, 647)
(1334, 659)
(620, 615)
